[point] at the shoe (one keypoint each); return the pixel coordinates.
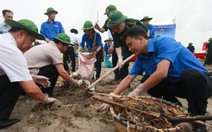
(9, 122)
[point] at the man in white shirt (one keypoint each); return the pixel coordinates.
(4, 27)
(14, 74)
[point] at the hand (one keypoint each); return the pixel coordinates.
(44, 81)
(110, 50)
(105, 106)
(48, 100)
(97, 26)
(47, 40)
(120, 62)
(139, 89)
(94, 53)
(74, 84)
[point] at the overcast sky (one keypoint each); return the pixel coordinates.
(193, 17)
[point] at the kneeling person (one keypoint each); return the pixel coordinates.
(46, 60)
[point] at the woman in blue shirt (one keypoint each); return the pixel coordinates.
(92, 42)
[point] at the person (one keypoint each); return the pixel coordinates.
(4, 27)
(70, 53)
(208, 59)
(107, 56)
(51, 28)
(45, 60)
(119, 24)
(69, 56)
(94, 45)
(108, 44)
(109, 9)
(74, 38)
(191, 47)
(14, 74)
(170, 71)
(151, 28)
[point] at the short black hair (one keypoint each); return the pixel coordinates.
(135, 32)
(5, 11)
(73, 30)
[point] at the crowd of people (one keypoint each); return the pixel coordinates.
(170, 70)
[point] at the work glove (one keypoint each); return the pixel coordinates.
(48, 100)
(74, 84)
(139, 89)
(105, 106)
(44, 81)
(120, 62)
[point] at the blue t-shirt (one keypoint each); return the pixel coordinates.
(152, 31)
(106, 47)
(88, 42)
(166, 48)
(51, 30)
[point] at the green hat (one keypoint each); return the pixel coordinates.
(210, 39)
(110, 39)
(146, 18)
(115, 18)
(73, 30)
(26, 25)
(63, 38)
(109, 9)
(49, 10)
(87, 25)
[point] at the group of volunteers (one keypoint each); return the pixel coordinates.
(169, 69)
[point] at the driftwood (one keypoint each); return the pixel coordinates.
(112, 103)
(189, 119)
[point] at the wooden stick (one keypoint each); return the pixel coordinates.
(107, 73)
(189, 119)
(203, 123)
(112, 103)
(104, 94)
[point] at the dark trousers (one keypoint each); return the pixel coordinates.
(9, 94)
(52, 73)
(124, 71)
(69, 54)
(98, 63)
(194, 86)
(114, 62)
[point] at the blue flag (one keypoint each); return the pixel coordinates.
(165, 30)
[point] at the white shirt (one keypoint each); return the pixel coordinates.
(12, 62)
(4, 28)
(74, 39)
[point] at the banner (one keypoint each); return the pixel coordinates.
(165, 30)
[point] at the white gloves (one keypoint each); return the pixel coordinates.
(44, 81)
(104, 106)
(139, 89)
(48, 100)
(120, 61)
(74, 83)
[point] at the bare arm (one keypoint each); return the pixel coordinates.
(63, 73)
(32, 90)
(160, 74)
(110, 50)
(118, 52)
(124, 84)
(102, 30)
(79, 49)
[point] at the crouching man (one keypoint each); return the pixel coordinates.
(14, 73)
